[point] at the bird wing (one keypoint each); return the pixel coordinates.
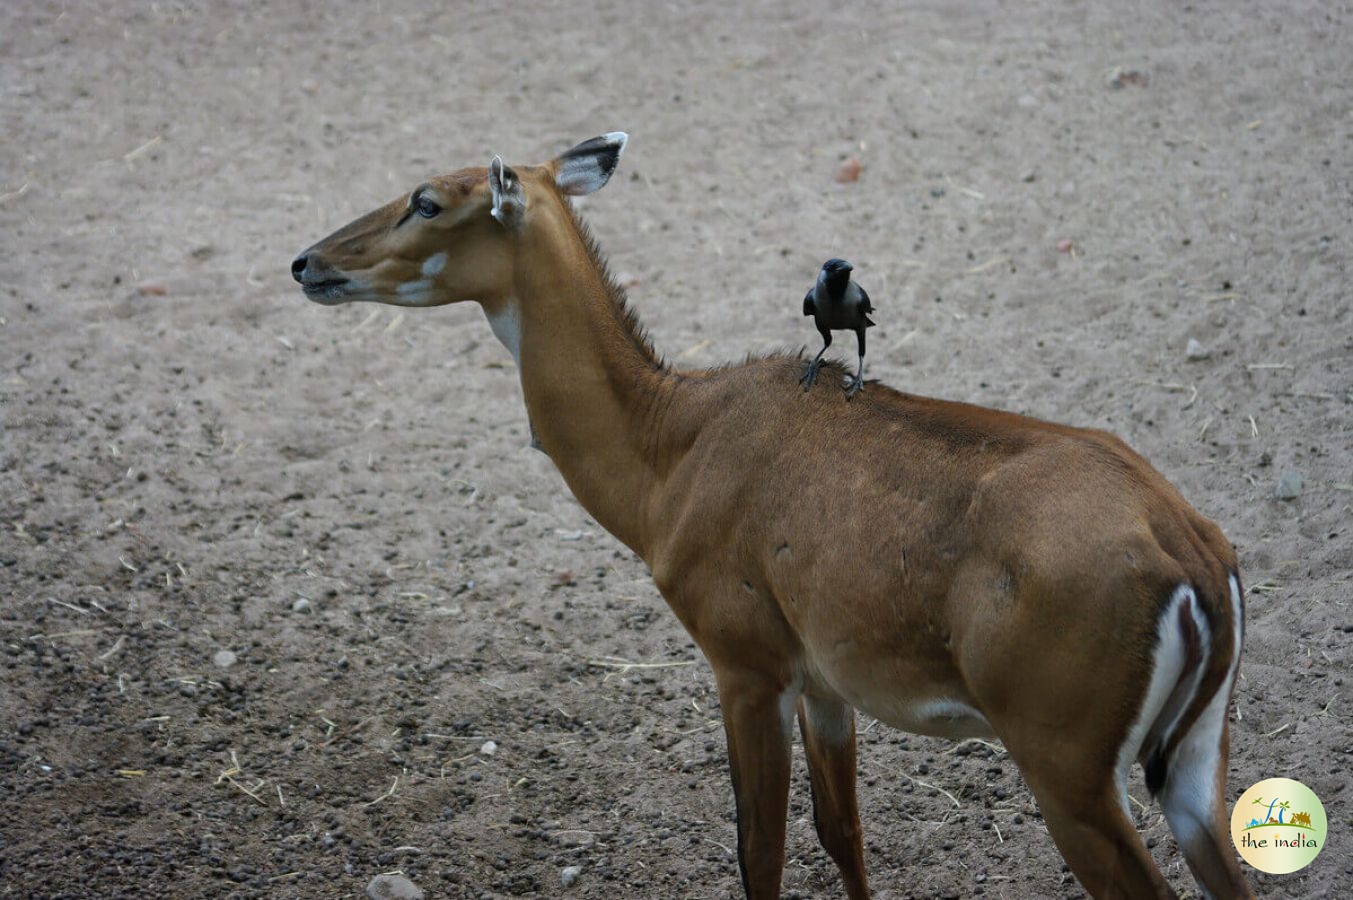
(809, 307)
(865, 305)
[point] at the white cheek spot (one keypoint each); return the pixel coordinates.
(434, 264)
(420, 286)
(506, 325)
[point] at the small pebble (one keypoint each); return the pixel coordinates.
(1289, 486)
(151, 289)
(301, 605)
(570, 875)
(1027, 101)
(848, 171)
(224, 659)
(1119, 78)
(488, 748)
(1065, 245)
(1196, 351)
(393, 887)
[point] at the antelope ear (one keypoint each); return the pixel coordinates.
(509, 202)
(588, 166)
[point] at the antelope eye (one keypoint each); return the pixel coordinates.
(426, 207)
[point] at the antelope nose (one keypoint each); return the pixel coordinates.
(298, 267)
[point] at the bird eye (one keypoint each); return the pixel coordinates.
(426, 207)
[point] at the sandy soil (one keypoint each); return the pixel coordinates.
(273, 574)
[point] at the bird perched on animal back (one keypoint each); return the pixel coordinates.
(837, 304)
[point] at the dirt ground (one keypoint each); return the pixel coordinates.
(275, 575)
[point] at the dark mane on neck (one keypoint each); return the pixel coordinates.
(625, 316)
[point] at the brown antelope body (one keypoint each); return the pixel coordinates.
(948, 569)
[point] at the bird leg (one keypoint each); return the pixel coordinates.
(854, 385)
(810, 371)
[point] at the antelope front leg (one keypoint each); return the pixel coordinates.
(758, 714)
(828, 727)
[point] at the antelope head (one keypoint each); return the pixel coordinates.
(451, 238)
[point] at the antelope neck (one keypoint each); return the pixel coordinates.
(593, 387)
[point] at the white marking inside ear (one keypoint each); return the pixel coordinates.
(509, 203)
(434, 264)
(506, 325)
(588, 166)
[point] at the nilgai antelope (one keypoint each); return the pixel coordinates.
(948, 569)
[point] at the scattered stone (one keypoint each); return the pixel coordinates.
(224, 659)
(1030, 176)
(848, 171)
(1066, 245)
(488, 748)
(393, 887)
(1120, 78)
(570, 875)
(1289, 486)
(151, 289)
(300, 606)
(1027, 101)
(563, 578)
(1195, 351)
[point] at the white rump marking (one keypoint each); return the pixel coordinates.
(1237, 627)
(1189, 794)
(1169, 656)
(506, 325)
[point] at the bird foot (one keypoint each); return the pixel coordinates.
(854, 386)
(809, 377)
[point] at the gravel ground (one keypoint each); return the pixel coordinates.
(287, 601)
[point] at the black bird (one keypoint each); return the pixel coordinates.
(837, 304)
